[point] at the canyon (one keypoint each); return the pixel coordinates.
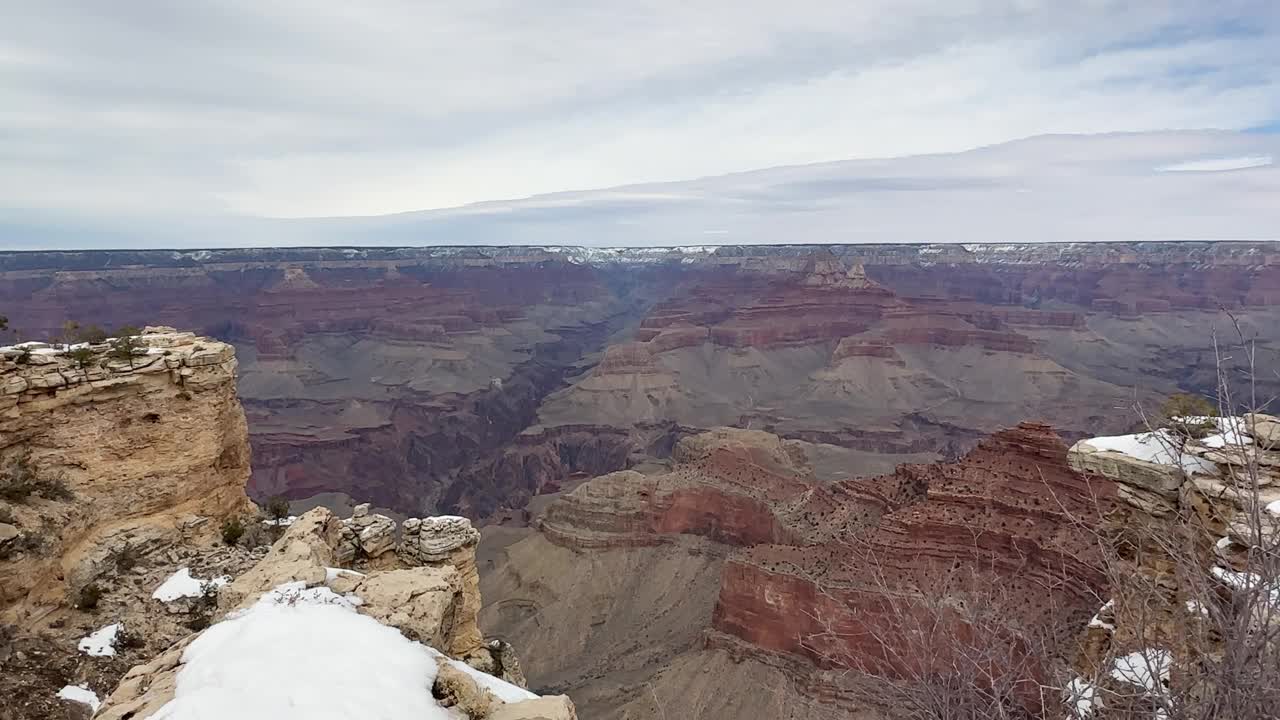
(702, 473)
(471, 380)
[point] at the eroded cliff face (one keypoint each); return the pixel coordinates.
(148, 447)
(742, 553)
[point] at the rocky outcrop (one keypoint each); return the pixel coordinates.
(427, 588)
(138, 445)
(1012, 509)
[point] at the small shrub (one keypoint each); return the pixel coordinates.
(6, 515)
(88, 597)
(127, 639)
(91, 334)
(184, 395)
(277, 508)
(24, 356)
(19, 481)
(81, 356)
(232, 530)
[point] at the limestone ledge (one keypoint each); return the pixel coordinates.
(1215, 472)
(37, 376)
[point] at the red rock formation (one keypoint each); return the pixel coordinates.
(1010, 508)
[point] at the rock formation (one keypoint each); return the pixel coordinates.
(144, 446)
(426, 588)
(781, 554)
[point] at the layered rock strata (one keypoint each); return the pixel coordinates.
(139, 446)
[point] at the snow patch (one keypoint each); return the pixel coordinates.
(1082, 696)
(1273, 507)
(305, 652)
(80, 694)
(1148, 669)
(101, 642)
(1160, 447)
(282, 522)
(182, 585)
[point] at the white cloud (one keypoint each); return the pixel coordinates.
(1219, 164)
(305, 109)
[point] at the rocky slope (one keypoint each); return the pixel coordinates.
(741, 554)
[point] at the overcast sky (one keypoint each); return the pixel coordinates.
(285, 108)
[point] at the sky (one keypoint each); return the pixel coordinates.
(127, 114)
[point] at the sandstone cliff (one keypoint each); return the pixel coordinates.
(149, 446)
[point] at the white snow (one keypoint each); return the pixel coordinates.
(1273, 507)
(282, 522)
(304, 652)
(297, 593)
(182, 585)
(1082, 696)
(1098, 622)
(1224, 543)
(503, 690)
(1159, 447)
(80, 694)
(1148, 669)
(101, 642)
(331, 574)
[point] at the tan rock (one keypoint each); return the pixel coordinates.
(458, 690)
(301, 554)
(136, 451)
(424, 603)
(146, 688)
(551, 707)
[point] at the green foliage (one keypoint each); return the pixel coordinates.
(19, 481)
(232, 530)
(81, 356)
(91, 334)
(1180, 414)
(277, 507)
(88, 597)
(123, 349)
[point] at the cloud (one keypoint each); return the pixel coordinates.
(141, 108)
(1219, 164)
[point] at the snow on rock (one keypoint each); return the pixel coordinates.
(503, 690)
(1107, 609)
(80, 694)
(1147, 669)
(282, 522)
(297, 593)
(304, 652)
(1082, 697)
(182, 585)
(101, 642)
(1273, 507)
(1159, 447)
(331, 574)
